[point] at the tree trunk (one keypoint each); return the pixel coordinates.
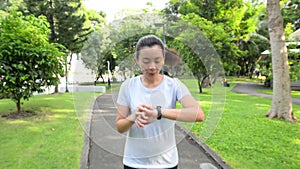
(51, 22)
(18, 104)
(281, 101)
(96, 79)
(199, 84)
(124, 75)
(56, 86)
(103, 81)
(52, 34)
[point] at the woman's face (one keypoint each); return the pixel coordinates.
(151, 60)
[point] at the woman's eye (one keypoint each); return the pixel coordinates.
(157, 61)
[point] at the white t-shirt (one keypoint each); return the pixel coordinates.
(153, 146)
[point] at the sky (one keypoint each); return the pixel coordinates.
(111, 7)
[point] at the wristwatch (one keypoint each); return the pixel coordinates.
(159, 114)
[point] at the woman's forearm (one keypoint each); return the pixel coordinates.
(123, 124)
(190, 114)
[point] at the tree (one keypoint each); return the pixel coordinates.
(28, 61)
(192, 40)
(240, 28)
(291, 14)
(214, 33)
(124, 34)
(218, 13)
(289, 10)
(94, 18)
(281, 101)
(96, 53)
(67, 20)
(5, 5)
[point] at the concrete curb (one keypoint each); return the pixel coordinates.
(204, 147)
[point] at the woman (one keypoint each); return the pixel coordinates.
(147, 110)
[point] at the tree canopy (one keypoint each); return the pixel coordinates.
(28, 62)
(67, 21)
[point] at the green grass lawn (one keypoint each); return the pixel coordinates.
(51, 139)
(245, 138)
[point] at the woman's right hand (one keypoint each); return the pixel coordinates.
(145, 114)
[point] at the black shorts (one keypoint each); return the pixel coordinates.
(127, 167)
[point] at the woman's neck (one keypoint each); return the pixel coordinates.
(152, 82)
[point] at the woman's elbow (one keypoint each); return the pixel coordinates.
(120, 131)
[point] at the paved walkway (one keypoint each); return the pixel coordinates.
(104, 145)
(250, 88)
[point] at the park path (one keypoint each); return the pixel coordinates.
(250, 88)
(104, 145)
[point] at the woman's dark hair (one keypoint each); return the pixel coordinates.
(149, 41)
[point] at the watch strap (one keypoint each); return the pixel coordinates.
(159, 114)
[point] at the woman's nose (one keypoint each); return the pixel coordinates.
(152, 65)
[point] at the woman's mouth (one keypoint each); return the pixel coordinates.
(151, 74)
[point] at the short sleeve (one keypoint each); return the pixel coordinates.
(123, 96)
(182, 90)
